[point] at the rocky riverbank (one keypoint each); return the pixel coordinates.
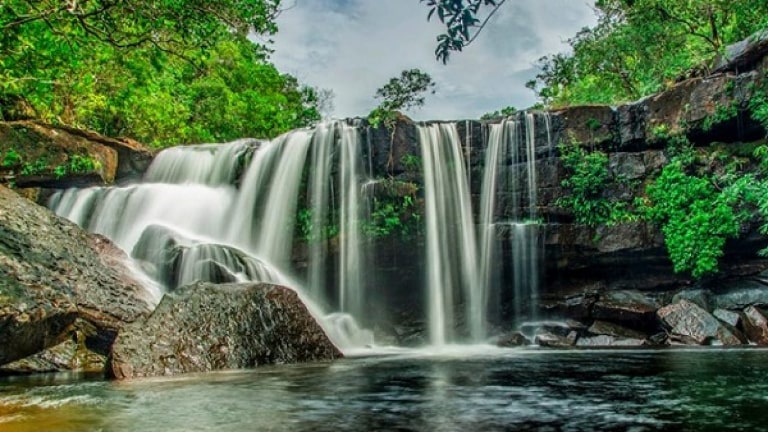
(67, 295)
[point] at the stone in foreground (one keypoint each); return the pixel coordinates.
(690, 324)
(207, 327)
(52, 274)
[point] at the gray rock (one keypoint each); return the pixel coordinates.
(628, 166)
(740, 294)
(205, 327)
(699, 297)
(741, 55)
(552, 340)
(630, 308)
(609, 341)
(731, 318)
(690, 324)
(756, 325)
(174, 260)
(51, 273)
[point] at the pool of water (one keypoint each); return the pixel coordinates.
(454, 390)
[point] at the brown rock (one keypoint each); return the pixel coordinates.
(756, 325)
(60, 157)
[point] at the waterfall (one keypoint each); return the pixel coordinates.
(351, 254)
(525, 228)
(451, 248)
(189, 219)
(296, 211)
(500, 138)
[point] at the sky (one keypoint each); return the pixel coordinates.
(353, 47)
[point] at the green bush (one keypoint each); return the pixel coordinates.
(695, 217)
(11, 158)
(586, 182)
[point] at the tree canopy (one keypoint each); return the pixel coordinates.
(401, 93)
(161, 72)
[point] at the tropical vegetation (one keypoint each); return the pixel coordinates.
(163, 73)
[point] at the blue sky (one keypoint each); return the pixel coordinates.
(354, 46)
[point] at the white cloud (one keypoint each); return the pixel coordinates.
(355, 46)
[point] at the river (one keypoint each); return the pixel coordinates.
(454, 390)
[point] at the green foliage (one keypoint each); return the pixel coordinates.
(381, 116)
(411, 162)
(400, 93)
(392, 215)
(11, 158)
(639, 47)
(695, 216)
(593, 124)
(305, 231)
(722, 114)
(162, 73)
(502, 113)
(758, 106)
(37, 167)
(586, 181)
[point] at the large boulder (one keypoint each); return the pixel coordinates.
(690, 324)
(205, 327)
(52, 273)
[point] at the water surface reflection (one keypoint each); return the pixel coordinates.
(709, 389)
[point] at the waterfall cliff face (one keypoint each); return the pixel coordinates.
(242, 211)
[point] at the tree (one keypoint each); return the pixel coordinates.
(401, 93)
(160, 72)
(504, 112)
(171, 26)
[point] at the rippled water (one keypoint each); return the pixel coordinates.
(709, 389)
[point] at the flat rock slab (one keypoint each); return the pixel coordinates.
(604, 341)
(207, 327)
(628, 308)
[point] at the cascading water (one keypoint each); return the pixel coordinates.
(463, 269)
(451, 248)
(189, 221)
(516, 140)
(229, 212)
